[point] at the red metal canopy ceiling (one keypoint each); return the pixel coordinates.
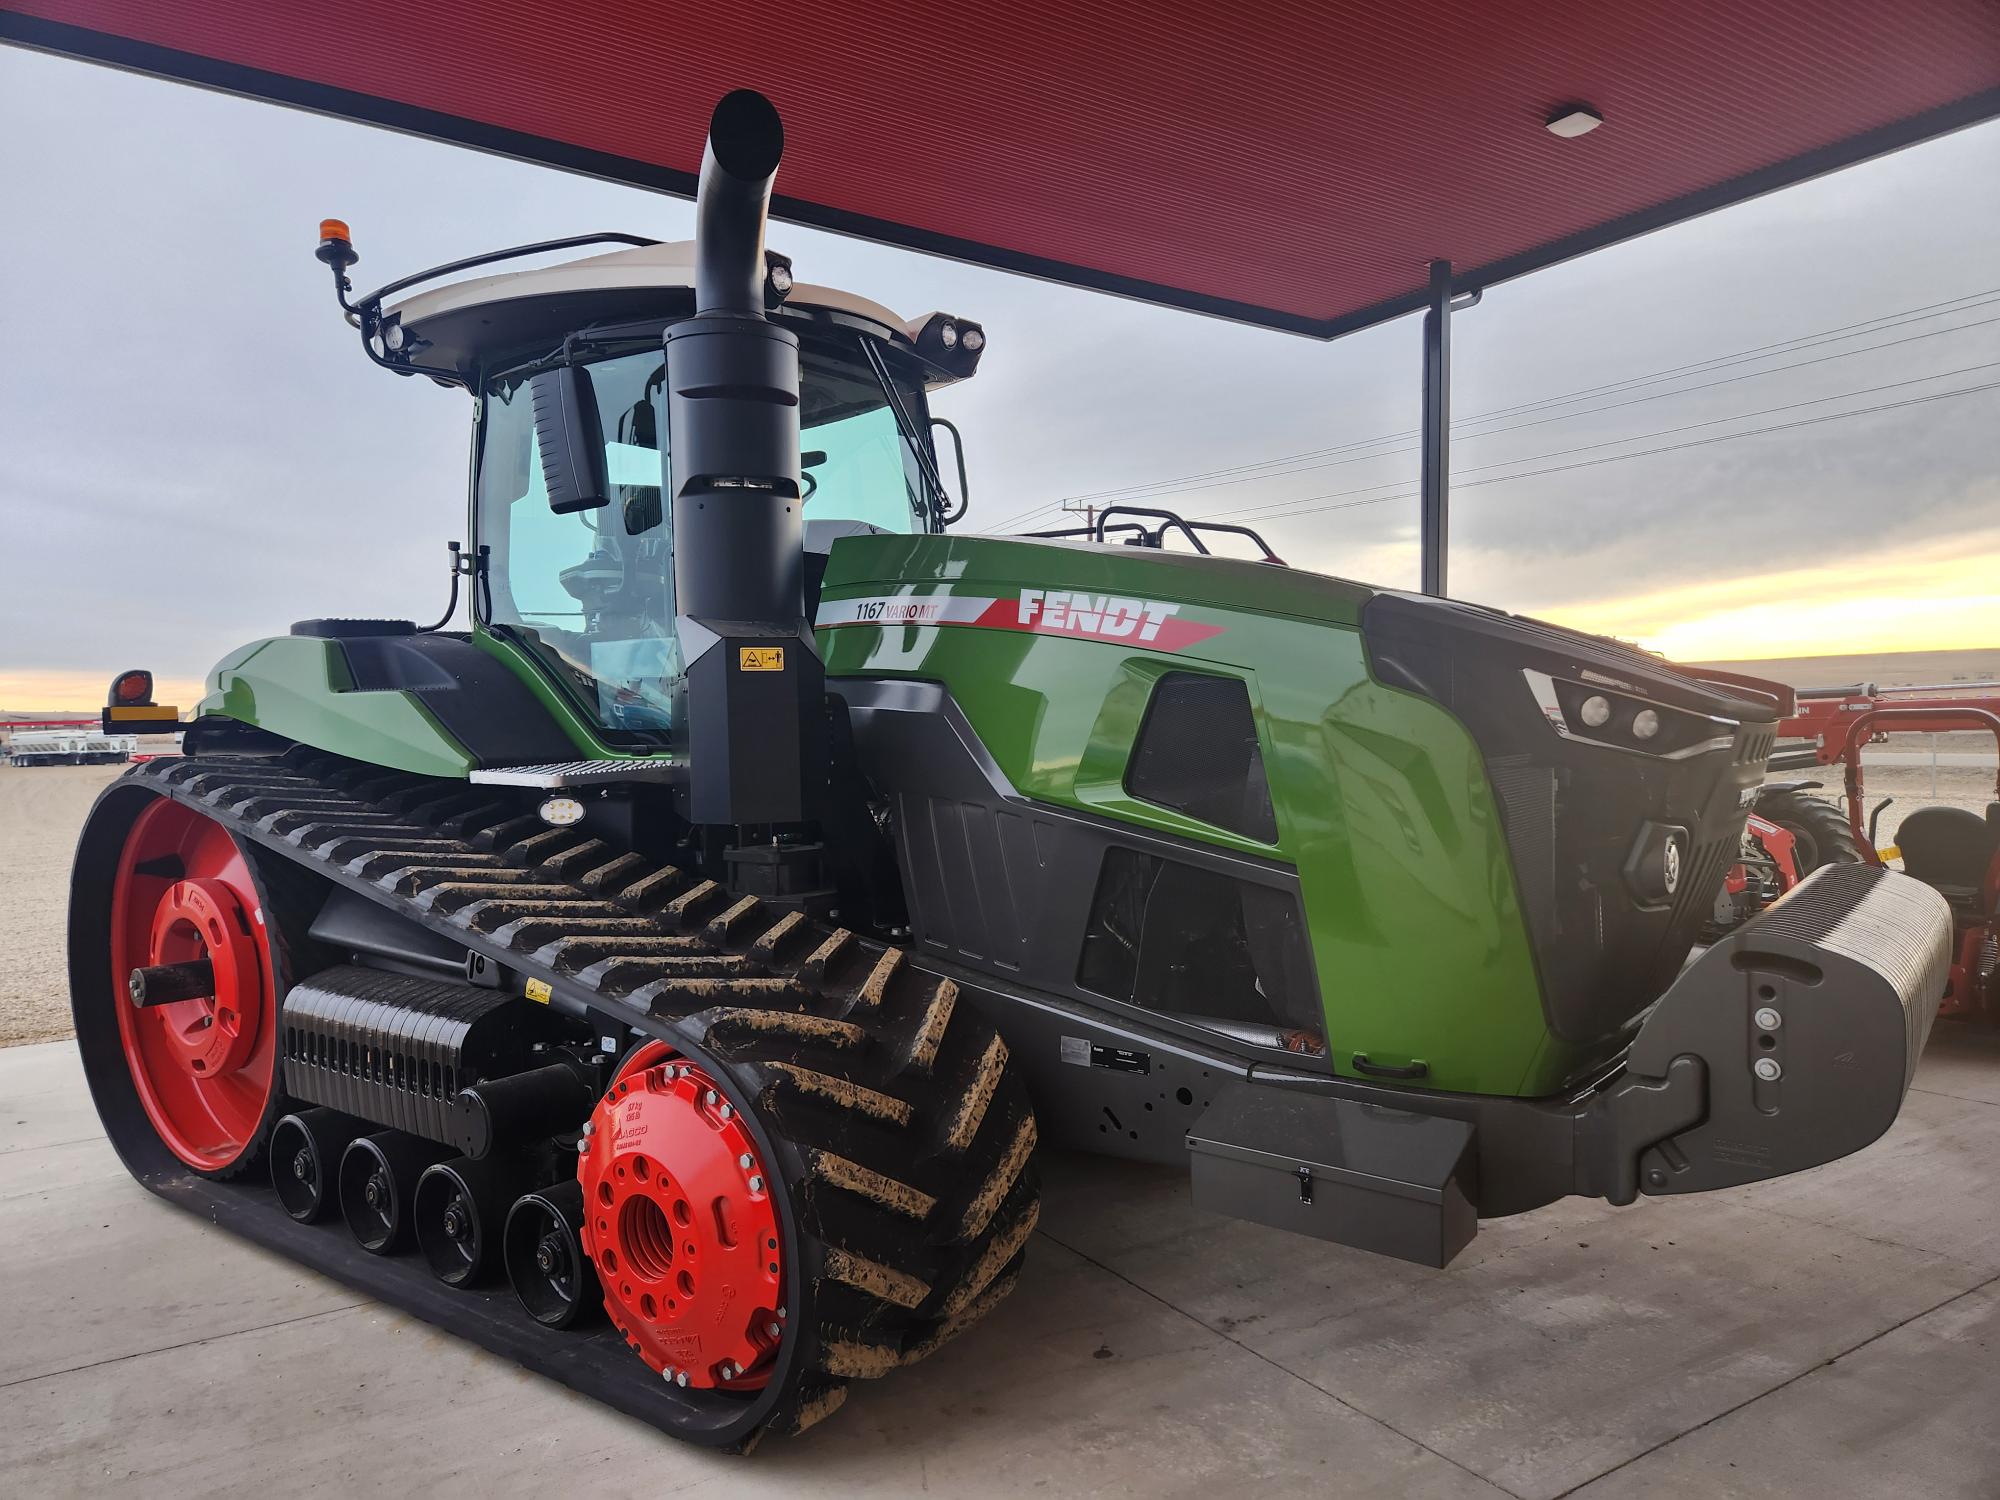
(1291, 165)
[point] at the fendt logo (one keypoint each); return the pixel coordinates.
(1105, 616)
(1091, 617)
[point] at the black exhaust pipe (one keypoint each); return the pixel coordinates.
(746, 141)
(754, 680)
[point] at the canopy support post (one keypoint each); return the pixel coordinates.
(1435, 529)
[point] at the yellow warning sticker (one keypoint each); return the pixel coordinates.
(539, 991)
(760, 658)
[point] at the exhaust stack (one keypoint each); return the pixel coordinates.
(746, 141)
(754, 680)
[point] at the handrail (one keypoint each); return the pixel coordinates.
(1861, 728)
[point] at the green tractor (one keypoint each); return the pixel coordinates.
(667, 982)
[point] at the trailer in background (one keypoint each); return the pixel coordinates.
(69, 747)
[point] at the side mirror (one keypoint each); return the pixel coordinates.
(958, 451)
(571, 440)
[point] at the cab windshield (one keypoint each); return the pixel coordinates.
(592, 593)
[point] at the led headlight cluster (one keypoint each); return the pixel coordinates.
(1598, 715)
(952, 344)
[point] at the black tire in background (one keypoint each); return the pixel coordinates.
(1818, 825)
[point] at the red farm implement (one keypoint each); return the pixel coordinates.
(1952, 849)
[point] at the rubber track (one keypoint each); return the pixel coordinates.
(907, 1131)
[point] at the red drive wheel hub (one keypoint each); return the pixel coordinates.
(203, 1067)
(681, 1223)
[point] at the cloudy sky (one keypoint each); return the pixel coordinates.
(1736, 438)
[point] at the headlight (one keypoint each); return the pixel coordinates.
(1623, 720)
(560, 812)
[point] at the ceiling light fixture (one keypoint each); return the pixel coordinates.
(1572, 120)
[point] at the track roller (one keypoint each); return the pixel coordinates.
(543, 1250)
(378, 1177)
(515, 1111)
(459, 1210)
(305, 1154)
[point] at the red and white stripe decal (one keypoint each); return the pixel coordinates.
(1151, 623)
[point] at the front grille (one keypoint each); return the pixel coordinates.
(1753, 743)
(1576, 812)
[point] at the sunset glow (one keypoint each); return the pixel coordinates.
(1936, 598)
(32, 691)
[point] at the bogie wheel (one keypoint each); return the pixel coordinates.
(1819, 828)
(166, 906)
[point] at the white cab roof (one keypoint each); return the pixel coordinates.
(643, 267)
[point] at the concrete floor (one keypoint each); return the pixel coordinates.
(1833, 1334)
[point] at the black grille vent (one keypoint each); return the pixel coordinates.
(1528, 802)
(1753, 743)
(1197, 753)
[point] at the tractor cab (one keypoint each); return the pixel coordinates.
(584, 582)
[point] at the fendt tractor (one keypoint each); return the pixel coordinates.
(667, 981)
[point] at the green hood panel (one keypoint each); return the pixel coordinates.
(299, 687)
(1382, 799)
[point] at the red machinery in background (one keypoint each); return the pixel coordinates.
(1951, 849)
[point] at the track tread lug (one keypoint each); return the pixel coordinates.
(875, 988)
(600, 878)
(965, 1120)
(684, 910)
(681, 996)
(814, 970)
(536, 848)
(842, 1093)
(777, 937)
(878, 1188)
(504, 833)
(928, 1034)
(886, 1283)
(653, 891)
(721, 928)
(583, 855)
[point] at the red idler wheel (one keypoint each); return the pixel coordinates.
(205, 1067)
(682, 1226)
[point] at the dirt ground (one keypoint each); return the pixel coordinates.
(41, 811)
